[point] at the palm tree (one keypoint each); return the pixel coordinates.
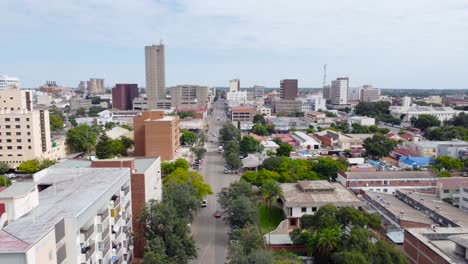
(270, 189)
(326, 242)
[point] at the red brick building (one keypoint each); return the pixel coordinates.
(288, 89)
(123, 95)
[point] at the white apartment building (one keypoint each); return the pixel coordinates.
(263, 110)
(431, 148)
(406, 101)
(313, 103)
(7, 81)
(234, 85)
(236, 98)
(83, 216)
(339, 91)
(155, 76)
(369, 94)
(361, 120)
(140, 104)
(24, 132)
(406, 113)
(189, 96)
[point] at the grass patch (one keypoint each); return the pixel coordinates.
(277, 216)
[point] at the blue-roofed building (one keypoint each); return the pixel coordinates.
(415, 162)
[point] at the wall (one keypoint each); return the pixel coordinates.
(419, 253)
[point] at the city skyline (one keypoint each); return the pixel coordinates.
(389, 45)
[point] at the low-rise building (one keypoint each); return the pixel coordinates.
(306, 197)
(140, 104)
(415, 162)
(313, 103)
(285, 107)
(463, 205)
(189, 96)
(319, 119)
(450, 189)
(263, 110)
(361, 120)
(430, 148)
(441, 245)
(236, 98)
(82, 217)
(269, 145)
(284, 124)
(406, 113)
(388, 181)
(243, 113)
(339, 141)
(304, 141)
(457, 150)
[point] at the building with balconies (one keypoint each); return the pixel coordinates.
(83, 216)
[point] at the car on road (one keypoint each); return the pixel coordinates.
(218, 214)
(204, 203)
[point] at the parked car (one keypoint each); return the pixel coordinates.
(204, 203)
(218, 214)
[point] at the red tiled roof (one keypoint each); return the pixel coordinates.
(406, 136)
(406, 152)
(256, 137)
(286, 138)
(453, 182)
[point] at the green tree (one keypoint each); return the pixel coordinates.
(258, 118)
(127, 142)
(56, 123)
(110, 125)
(261, 256)
(181, 176)
(188, 137)
(81, 112)
(72, 121)
(169, 167)
(155, 252)
(269, 190)
(325, 243)
(448, 163)
(325, 217)
(249, 145)
(233, 160)
(228, 132)
(239, 202)
(199, 152)
(29, 166)
(186, 114)
(203, 137)
(425, 121)
(349, 257)
(104, 147)
(45, 163)
(184, 197)
(81, 139)
(4, 181)
(260, 130)
(444, 174)
(459, 121)
(379, 146)
(95, 100)
(249, 238)
(327, 168)
(231, 146)
(93, 111)
(284, 150)
(160, 221)
(4, 168)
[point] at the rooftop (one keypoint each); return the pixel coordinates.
(440, 207)
(406, 152)
(17, 189)
(452, 182)
(391, 175)
(434, 144)
(243, 108)
(77, 187)
(439, 241)
(294, 196)
(143, 164)
(398, 208)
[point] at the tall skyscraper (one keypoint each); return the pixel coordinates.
(339, 91)
(155, 75)
(123, 95)
(326, 92)
(234, 85)
(288, 89)
(189, 96)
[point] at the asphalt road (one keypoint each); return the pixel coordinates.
(210, 233)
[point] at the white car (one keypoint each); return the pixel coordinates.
(204, 203)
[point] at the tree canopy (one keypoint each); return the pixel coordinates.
(249, 145)
(169, 167)
(259, 118)
(188, 137)
(379, 146)
(81, 139)
(34, 165)
(55, 120)
(284, 150)
(181, 176)
(4, 167)
(424, 122)
(239, 203)
(228, 132)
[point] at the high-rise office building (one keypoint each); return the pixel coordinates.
(24, 132)
(369, 94)
(82, 86)
(258, 91)
(155, 75)
(354, 93)
(234, 85)
(92, 86)
(123, 95)
(189, 96)
(326, 92)
(339, 91)
(288, 89)
(156, 135)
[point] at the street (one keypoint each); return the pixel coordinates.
(210, 233)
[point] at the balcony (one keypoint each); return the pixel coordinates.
(85, 234)
(125, 190)
(104, 247)
(105, 233)
(115, 201)
(87, 252)
(117, 233)
(104, 215)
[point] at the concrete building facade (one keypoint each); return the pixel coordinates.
(123, 95)
(234, 85)
(24, 132)
(339, 91)
(286, 106)
(83, 216)
(288, 89)
(369, 94)
(155, 75)
(8, 81)
(243, 113)
(156, 135)
(189, 96)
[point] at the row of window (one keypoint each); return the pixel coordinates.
(17, 140)
(16, 133)
(16, 126)
(11, 155)
(17, 119)
(17, 147)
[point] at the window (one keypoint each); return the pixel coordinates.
(7, 126)
(27, 119)
(18, 140)
(18, 133)
(314, 209)
(446, 191)
(19, 147)
(17, 119)
(9, 147)
(7, 119)
(293, 221)
(303, 209)
(17, 126)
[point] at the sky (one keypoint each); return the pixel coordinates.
(389, 44)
